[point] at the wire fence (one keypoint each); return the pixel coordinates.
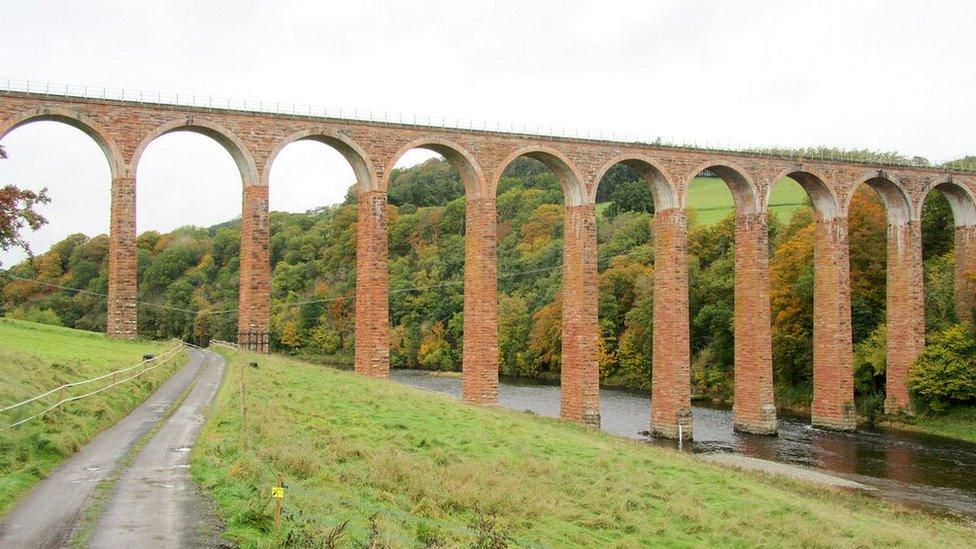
(225, 344)
(357, 114)
(155, 362)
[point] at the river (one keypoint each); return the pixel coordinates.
(925, 471)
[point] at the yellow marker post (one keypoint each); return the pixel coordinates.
(278, 493)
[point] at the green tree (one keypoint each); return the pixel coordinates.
(945, 373)
(431, 183)
(938, 226)
(630, 196)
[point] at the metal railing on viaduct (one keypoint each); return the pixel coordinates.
(123, 126)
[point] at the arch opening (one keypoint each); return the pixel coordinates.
(354, 155)
(627, 193)
(744, 197)
(820, 198)
(961, 203)
(728, 248)
(530, 212)
(222, 136)
(463, 163)
(948, 219)
(76, 121)
(72, 248)
(894, 198)
(310, 173)
(801, 207)
(428, 191)
(627, 170)
(314, 178)
(571, 185)
(188, 221)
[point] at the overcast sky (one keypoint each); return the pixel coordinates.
(884, 75)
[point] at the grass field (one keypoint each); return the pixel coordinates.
(709, 200)
(377, 464)
(37, 357)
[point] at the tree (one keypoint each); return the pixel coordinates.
(618, 175)
(545, 341)
(17, 213)
(431, 183)
(791, 299)
(630, 196)
(945, 373)
(938, 226)
(868, 242)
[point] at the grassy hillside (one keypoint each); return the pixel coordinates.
(711, 200)
(373, 461)
(37, 357)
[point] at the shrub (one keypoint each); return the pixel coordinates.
(33, 314)
(946, 372)
(870, 362)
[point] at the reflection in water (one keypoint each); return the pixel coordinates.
(922, 470)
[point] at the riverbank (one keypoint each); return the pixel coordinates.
(746, 463)
(373, 460)
(795, 402)
(958, 423)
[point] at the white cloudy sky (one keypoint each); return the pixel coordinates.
(885, 74)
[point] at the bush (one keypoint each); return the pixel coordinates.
(34, 314)
(870, 360)
(946, 372)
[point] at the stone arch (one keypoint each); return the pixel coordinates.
(352, 152)
(466, 165)
(825, 203)
(897, 204)
(227, 139)
(74, 119)
(574, 190)
(745, 194)
(662, 188)
(960, 199)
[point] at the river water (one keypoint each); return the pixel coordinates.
(930, 472)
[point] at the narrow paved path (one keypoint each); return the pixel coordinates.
(47, 516)
(155, 503)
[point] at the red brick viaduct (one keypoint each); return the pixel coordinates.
(123, 129)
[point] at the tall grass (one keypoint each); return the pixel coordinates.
(35, 358)
(373, 462)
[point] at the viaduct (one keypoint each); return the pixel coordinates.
(124, 127)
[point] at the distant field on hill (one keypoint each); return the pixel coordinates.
(710, 200)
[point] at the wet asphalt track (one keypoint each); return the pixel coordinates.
(154, 503)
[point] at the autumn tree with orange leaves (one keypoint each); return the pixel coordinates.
(17, 213)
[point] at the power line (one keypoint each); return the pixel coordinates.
(273, 306)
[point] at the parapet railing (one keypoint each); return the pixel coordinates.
(156, 361)
(441, 122)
